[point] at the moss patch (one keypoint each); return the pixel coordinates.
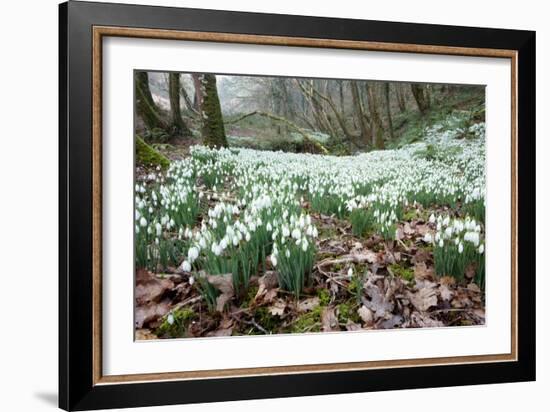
(308, 322)
(405, 273)
(176, 325)
(147, 156)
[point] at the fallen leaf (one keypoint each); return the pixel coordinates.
(445, 293)
(308, 304)
(423, 321)
(421, 271)
(267, 288)
(145, 334)
(407, 229)
(424, 299)
(149, 313)
(329, 321)
(224, 283)
(278, 308)
(150, 288)
(351, 326)
(366, 315)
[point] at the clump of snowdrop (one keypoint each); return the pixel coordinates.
(458, 246)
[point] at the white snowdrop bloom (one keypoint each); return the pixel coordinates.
(235, 240)
(286, 231)
(315, 233)
(274, 260)
(185, 266)
(296, 234)
(309, 231)
(247, 236)
(305, 244)
(287, 253)
(432, 218)
(191, 280)
(192, 254)
(157, 241)
(158, 228)
(223, 243)
(137, 215)
(202, 243)
(350, 272)
(428, 238)
(481, 249)
(170, 319)
(472, 237)
(268, 227)
(308, 219)
(446, 221)
(440, 242)
(460, 247)
(137, 229)
(448, 232)
(143, 222)
(457, 241)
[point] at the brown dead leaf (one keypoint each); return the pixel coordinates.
(308, 304)
(329, 321)
(407, 230)
(424, 299)
(421, 230)
(445, 292)
(145, 334)
(150, 288)
(151, 312)
(278, 308)
(381, 300)
(422, 320)
(421, 271)
(351, 326)
(267, 288)
(366, 315)
(224, 283)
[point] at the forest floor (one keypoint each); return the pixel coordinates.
(357, 283)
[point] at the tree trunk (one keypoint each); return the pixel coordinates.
(388, 109)
(145, 105)
(376, 122)
(177, 126)
(359, 114)
(213, 130)
(420, 96)
(400, 97)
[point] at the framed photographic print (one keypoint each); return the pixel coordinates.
(257, 205)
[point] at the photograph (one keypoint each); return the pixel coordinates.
(283, 205)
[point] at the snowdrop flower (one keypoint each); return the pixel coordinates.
(287, 253)
(286, 231)
(350, 272)
(296, 234)
(274, 260)
(185, 266)
(247, 236)
(304, 244)
(191, 280)
(170, 319)
(143, 222)
(192, 254)
(460, 247)
(268, 227)
(158, 228)
(440, 242)
(428, 238)
(481, 249)
(432, 218)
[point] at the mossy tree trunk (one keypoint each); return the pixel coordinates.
(145, 105)
(376, 121)
(421, 97)
(388, 109)
(399, 92)
(177, 125)
(359, 114)
(213, 130)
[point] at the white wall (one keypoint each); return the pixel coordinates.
(28, 205)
